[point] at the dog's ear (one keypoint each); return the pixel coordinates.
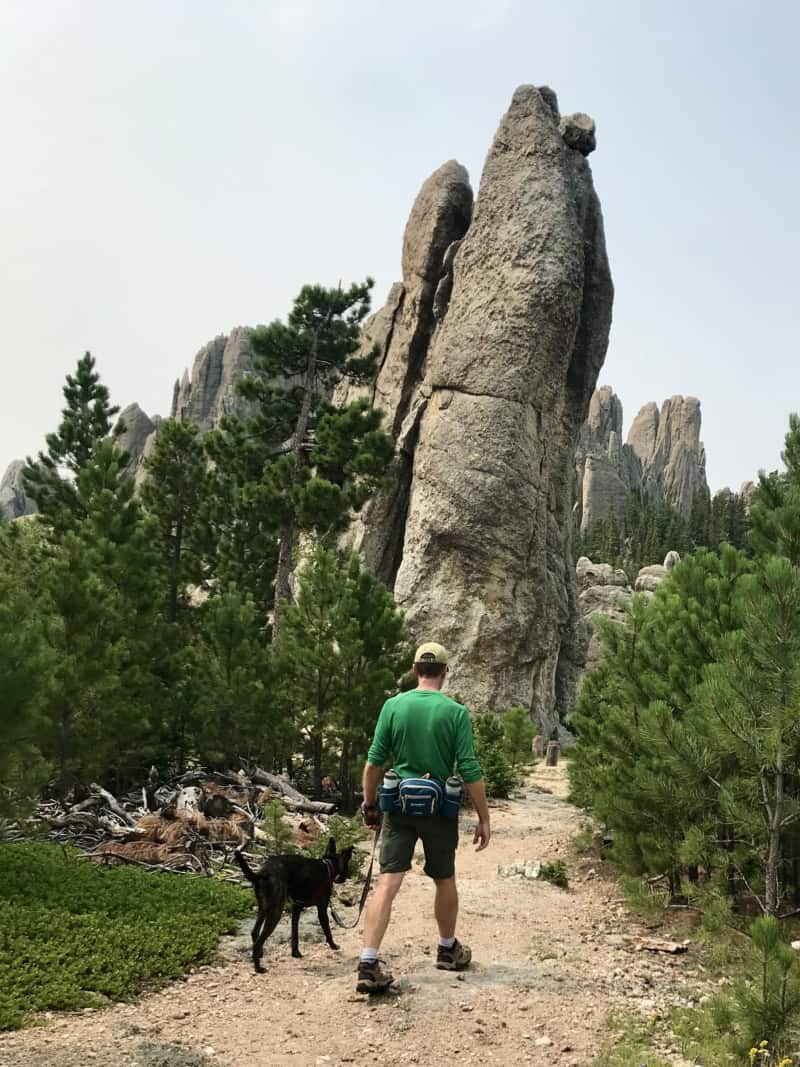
(331, 849)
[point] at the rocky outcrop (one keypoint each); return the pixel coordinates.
(602, 590)
(650, 578)
(402, 330)
(14, 501)
(668, 446)
(487, 414)
(663, 459)
(136, 433)
(210, 392)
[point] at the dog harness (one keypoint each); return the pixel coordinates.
(322, 888)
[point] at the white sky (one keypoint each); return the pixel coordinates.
(173, 169)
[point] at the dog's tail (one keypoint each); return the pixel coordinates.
(247, 870)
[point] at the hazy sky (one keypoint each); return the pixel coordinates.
(173, 169)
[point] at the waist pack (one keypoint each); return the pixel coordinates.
(419, 796)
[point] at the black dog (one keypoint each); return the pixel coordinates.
(305, 881)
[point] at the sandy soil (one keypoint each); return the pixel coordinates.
(549, 968)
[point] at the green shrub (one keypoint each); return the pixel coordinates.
(344, 832)
(519, 732)
(73, 934)
(555, 873)
(280, 838)
(490, 748)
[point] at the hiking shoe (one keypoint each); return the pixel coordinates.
(371, 979)
(453, 959)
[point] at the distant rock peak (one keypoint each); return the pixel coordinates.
(663, 458)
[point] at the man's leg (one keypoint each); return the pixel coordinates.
(445, 907)
(379, 909)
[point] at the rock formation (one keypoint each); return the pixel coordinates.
(602, 590)
(137, 437)
(605, 590)
(486, 402)
(14, 501)
(210, 392)
(663, 459)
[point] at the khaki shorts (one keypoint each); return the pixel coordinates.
(439, 837)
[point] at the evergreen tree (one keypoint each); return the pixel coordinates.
(85, 420)
(775, 512)
(175, 494)
(309, 463)
(645, 679)
(339, 654)
(235, 707)
(25, 670)
(519, 733)
(95, 588)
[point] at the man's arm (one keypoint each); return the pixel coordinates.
(371, 782)
(470, 771)
(477, 794)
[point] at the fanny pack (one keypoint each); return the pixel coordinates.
(419, 796)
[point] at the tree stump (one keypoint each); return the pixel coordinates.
(540, 745)
(553, 749)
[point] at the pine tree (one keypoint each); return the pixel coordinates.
(25, 672)
(235, 705)
(175, 494)
(341, 650)
(745, 724)
(306, 462)
(775, 512)
(96, 589)
(85, 420)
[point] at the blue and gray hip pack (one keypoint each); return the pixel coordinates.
(420, 796)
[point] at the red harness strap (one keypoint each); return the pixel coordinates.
(323, 888)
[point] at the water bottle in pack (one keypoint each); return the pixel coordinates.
(389, 791)
(452, 797)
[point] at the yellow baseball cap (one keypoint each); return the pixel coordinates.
(430, 652)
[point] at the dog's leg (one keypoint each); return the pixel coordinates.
(325, 923)
(268, 919)
(296, 909)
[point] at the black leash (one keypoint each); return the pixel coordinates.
(364, 893)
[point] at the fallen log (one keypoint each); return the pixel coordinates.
(314, 807)
(279, 785)
(111, 803)
(654, 944)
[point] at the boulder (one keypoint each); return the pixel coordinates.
(578, 132)
(650, 578)
(602, 590)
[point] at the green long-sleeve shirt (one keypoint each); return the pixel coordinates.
(425, 732)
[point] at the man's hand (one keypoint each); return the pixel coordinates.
(482, 835)
(372, 815)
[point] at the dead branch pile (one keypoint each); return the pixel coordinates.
(192, 824)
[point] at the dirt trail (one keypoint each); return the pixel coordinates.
(550, 965)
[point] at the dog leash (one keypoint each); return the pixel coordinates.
(364, 893)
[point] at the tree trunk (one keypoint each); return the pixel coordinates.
(553, 749)
(283, 590)
(772, 896)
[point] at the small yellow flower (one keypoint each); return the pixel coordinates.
(786, 1062)
(753, 1053)
(763, 1044)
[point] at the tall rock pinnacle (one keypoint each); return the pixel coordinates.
(488, 432)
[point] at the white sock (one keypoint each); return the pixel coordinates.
(446, 942)
(369, 955)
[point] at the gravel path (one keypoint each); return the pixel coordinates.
(549, 967)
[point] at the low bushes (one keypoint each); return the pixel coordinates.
(74, 935)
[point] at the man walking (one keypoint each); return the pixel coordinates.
(425, 733)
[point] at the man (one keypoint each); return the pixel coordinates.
(424, 732)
